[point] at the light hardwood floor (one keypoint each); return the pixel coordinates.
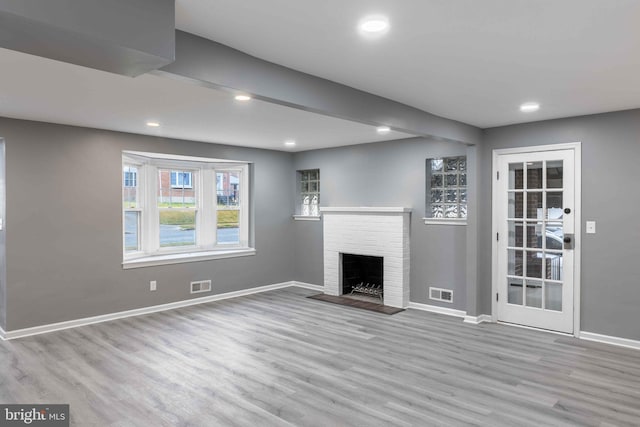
(279, 358)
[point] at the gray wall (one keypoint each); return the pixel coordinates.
(610, 176)
(386, 174)
(64, 225)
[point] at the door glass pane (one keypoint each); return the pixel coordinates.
(177, 227)
(516, 201)
(534, 175)
(534, 264)
(534, 235)
(515, 234)
(131, 231)
(554, 235)
(553, 296)
(514, 262)
(534, 204)
(553, 266)
(534, 294)
(554, 205)
(554, 174)
(516, 176)
(515, 291)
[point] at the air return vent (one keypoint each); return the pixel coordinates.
(200, 286)
(439, 294)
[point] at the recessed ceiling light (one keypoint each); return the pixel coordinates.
(290, 143)
(383, 129)
(374, 24)
(153, 124)
(243, 97)
(529, 107)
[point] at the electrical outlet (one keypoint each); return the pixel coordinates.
(152, 285)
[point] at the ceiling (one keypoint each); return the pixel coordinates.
(468, 60)
(41, 89)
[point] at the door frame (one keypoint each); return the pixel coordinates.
(577, 153)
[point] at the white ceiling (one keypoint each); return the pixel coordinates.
(41, 89)
(469, 60)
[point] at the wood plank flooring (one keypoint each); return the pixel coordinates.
(280, 359)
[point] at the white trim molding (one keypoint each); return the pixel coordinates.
(42, 329)
(306, 217)
(476, 320)
(444, 221)
(178, 258)
(437, 309)
(607, 339)
(319, 288)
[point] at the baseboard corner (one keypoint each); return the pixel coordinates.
(476, 320)
(319, 288)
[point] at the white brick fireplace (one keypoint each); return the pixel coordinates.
(373, 231)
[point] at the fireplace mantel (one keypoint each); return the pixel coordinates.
(365, 209)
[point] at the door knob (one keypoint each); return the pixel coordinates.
(567, 210)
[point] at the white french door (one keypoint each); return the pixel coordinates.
(535, 222)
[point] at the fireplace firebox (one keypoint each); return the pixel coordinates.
(362, 275)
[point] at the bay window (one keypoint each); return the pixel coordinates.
(180, 209)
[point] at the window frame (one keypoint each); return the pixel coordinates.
(203, 174)
(300, 194)
(459, 220)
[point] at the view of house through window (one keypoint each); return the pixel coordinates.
(447, 188)
(187, 205)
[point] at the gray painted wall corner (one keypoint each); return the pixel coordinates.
(64, 239)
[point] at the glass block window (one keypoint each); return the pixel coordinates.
(309, 192)
(447, 188)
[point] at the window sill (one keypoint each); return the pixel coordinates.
(444, 221)
(150, 261)
(306, 218)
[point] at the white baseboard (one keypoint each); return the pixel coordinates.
(476, 320)
(437, 309)
(607, 339)
(319, 288)
(20, 333)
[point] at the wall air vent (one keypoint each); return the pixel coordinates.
(438, 294)
(200, 286)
